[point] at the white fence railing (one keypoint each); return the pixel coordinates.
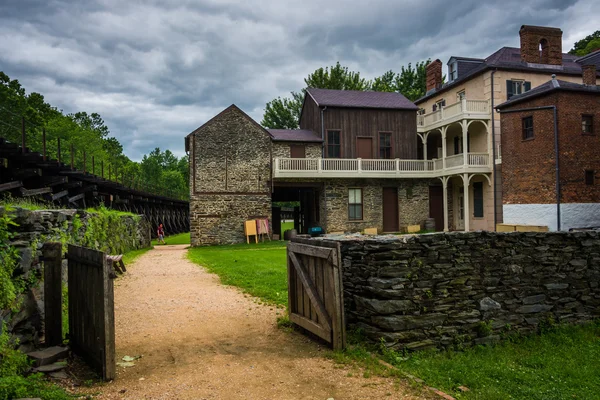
(307, 167)
(452, 110)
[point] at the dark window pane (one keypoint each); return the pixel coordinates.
(527, 128)
(478, 199)
(385, 145)
(587, 124)
(589, 177)
(333, 144)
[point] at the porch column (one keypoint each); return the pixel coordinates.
(443, 130)
(465, 144)
(445, 201)
(465, 178)
(424, 138)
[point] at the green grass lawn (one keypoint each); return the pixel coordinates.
(258, 269)
(561, 364)
(286, 226)
(182, 238)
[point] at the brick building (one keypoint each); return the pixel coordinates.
(551, 155)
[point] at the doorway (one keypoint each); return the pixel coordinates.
(298, 151)
(364, 148)
(436, 206)
(390, 209)
(460, 214)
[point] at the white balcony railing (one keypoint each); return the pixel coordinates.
(356, 167)
(473, 108)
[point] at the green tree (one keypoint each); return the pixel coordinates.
(586, 45)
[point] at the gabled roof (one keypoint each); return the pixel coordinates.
(360, 99)
(232, 107)
(548, 87)
(509, 58)
(294, 135)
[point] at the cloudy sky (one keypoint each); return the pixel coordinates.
(157, 69)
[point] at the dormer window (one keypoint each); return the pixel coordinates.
(453, 71)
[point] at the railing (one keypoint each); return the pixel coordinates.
(340, 167)
(479, 159)
(447, 112)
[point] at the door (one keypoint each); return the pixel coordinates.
(436, 206)
(460, 215)
(364, 147)
(298, 151)
(390, 209)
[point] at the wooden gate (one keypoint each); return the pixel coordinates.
(91, 309)
(315, 291)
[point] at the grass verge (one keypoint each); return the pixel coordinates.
(182, 238)
(258, 269)
(133, 255)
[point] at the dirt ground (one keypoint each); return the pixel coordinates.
(202, 340)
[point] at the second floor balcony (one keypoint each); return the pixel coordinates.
(365, 168)
(464, 109)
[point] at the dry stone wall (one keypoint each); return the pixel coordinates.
(444, 289)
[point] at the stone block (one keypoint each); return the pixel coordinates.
(383, 306)
(488, 304)
(556, 286)
(534, 308)
(406, 322)
(538, 298)
(48, 355)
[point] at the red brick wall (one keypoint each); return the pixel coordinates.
(433, 73)
(589, 74)
(528, 167)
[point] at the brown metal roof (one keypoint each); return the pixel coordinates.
(294, 135)
(360, 99)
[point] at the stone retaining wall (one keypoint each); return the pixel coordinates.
(445, 289)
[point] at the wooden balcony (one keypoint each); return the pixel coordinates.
(464, 109)
(363, 168)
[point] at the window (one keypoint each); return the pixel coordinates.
(478, 199)
(421, 111)
(355, 209)
(514, 87)
(385, 145)
(460, 96)
(587, 124)
(589, 177)
(527, 128)
(453, 71)
(439, 104)
(333, 144)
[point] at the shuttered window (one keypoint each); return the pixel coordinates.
(514, 87)
(355, 210)
(478, 199)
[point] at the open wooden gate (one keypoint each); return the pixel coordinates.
(315, 289)
(91, 309)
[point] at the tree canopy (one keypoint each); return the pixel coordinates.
(85, 131)
(284, 113)
(586, 45)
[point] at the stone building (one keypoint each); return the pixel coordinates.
(551, 172)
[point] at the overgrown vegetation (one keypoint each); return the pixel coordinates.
(159, 171)
(8, 262)
(258, 269)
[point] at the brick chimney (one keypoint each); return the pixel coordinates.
(541, 45)
(589, 74)
(434, 75)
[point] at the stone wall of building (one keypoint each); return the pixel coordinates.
(413, 203)
(445, 289)
(282, 149)
(230, 177)
(34, 228)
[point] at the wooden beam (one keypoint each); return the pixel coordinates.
(10, 185)
(58, 195)
(77, 197)
(35, 192)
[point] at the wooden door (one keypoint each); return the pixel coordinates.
(364, 147)
(390, 209)
(315, 291)
(436, 206)
(298, 151)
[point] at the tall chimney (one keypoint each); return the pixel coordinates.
(589, 74)
(433, 73)
(541, 45)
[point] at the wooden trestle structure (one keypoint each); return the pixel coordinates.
(24, 173)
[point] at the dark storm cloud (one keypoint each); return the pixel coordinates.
(157, 69)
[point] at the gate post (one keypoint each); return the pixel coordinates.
(52, 253)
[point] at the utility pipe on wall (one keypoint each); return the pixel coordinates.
(556, 153)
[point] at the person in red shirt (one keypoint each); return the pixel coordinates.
(161, 234)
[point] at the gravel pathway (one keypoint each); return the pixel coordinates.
(202, 340)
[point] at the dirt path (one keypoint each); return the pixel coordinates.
(202, 340)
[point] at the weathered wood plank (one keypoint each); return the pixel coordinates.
(322, 331)
(59, 195)
(35, 192)
(10, 185)
(52, 253)
(310, 250)
(76, 198)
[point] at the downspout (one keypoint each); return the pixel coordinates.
(323, 132)
(494, 154)
(556, 153)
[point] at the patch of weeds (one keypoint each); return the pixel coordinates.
(484, 328)
(284, 323)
